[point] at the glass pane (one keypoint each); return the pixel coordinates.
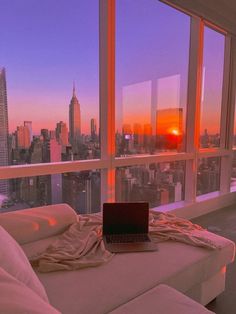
(233, 174)
(50, 85)
(151, 77)
(81, 190)
(208, 175)
(212, 80)
(158, 183)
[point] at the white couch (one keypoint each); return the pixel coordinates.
(129, 279)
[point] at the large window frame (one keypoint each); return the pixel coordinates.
(108, 162)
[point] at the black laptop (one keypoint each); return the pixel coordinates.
(125, 227)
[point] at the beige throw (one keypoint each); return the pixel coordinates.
(82, 246)
(78, 247)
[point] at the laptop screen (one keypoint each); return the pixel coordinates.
(120, 218)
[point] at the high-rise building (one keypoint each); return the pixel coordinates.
(126, 129)
(62, 133)
(45, 134)
(137, 135)
(4, 158)
(93, 130)
(74, 122)
(127, 141)
(23, 137)
(52, 134)
(36, 151)
(178, 192)
(205, 139)
(28, 124)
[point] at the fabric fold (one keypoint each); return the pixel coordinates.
(82, 245)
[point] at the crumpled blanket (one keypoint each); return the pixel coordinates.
(82, 245)
(78, 247)
(165, 226)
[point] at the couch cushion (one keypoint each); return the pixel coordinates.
(32, 224)
(128, 275)
(162, 299)
(14, 261)
(18, 298)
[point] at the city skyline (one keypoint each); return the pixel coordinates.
(42, 60)
(167, 134)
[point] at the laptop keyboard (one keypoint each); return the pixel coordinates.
(127, 238)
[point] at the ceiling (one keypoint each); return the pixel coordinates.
(220, 12)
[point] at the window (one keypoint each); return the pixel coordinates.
(157, 183)
(92, 112)
(81, 190)
(208, 176)
(212, 82)
(49, 51)
(151, 77)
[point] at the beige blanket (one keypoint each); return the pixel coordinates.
(82, 246)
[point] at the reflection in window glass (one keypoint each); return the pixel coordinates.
(208, 175)
(49, 80)
(81, 190)
(212, 81)
(151, 77)
(157, 183)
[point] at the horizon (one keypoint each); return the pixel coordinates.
(43, 59)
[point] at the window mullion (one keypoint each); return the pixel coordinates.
(225, 169)
(226, 163)
(225, 94)
(193, 106)
(107, 96)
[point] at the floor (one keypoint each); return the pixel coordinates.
(223, 222)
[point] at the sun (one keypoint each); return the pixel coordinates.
(175, 131)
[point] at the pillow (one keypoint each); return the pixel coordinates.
(14, 261)
(37, 223)
(16, 298)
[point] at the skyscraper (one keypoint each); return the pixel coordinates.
(23, 137)
(4, 159)
(28, 124)
(93, 129)
(62, 133)
(74, 122)
(137, 135)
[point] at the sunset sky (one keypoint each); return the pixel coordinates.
(48, 44)
(45, 46)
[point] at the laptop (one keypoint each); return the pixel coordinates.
(125, 227)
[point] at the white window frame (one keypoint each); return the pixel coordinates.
(108, 162)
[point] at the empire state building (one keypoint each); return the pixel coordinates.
(74, 122)
(4, 185)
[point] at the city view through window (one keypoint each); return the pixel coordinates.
(50, 110)
(49, 97)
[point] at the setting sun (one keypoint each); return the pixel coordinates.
(175, 132)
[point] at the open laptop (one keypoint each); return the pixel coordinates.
(125, 227)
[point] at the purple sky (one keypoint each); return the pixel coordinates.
(47, 44)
